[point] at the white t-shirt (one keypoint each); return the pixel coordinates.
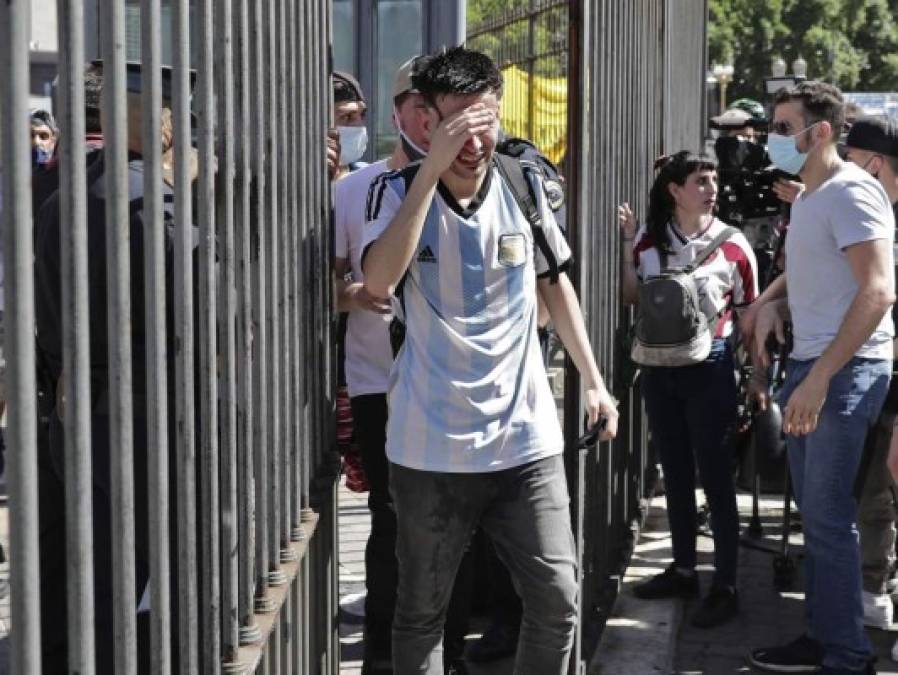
(368, 353)
(468, 392)
(728, 279)
(849, 208)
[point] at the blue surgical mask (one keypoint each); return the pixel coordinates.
(784, 153)
(40, 156)
(353, 141)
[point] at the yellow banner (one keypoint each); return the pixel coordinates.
(549, 109)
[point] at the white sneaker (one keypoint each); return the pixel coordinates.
(878, 610)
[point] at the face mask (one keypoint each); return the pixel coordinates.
(875, 175)
(40, 156)
(785, 154)
(413, 151)
(353, 141)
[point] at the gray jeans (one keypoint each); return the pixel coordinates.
(876, 509)
(525, 510)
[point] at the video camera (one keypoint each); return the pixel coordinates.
(746, 176)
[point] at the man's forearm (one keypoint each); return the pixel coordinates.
(862, 318)
(775, 291)
(568, 321)
(389, 256)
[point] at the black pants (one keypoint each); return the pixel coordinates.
(691, 413)
(369, 415)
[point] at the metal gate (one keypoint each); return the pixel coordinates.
(228, 398)
(634, 88)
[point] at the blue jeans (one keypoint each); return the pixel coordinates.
(824, 465)
(525, 510)
(691, 414)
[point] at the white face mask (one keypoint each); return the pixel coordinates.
(413, 151)
(353, 141)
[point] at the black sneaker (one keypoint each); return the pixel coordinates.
(499, 641)
(803, 655)
(671, 583)
(719, 606)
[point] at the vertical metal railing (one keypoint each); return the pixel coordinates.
(214, 361)
(19, 336)
(120, 375)
(79, 539)
(156, 353)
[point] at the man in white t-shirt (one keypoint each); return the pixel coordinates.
(369, 359)
(473, 435)
(840, 285)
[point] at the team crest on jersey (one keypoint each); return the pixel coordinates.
(554, 193)
(512, 250)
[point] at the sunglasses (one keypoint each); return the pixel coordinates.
(785, 129)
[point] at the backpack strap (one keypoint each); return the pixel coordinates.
(512, 172)
(706, 253)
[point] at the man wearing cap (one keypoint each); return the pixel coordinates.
(369, 358)
(49, 232)
(872, 144)
(351, 117)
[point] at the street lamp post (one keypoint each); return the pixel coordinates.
(724, 75)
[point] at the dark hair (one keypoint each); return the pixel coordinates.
(457, 71)
(820, 101)
(346, 88)
(93, 88)
(673, 169)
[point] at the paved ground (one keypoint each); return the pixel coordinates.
(644, 638)
(656, 637)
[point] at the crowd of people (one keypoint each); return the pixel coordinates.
(449, 257)
(441, 273)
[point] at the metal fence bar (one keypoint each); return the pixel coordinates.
(76, 346)
(249, 630)
(296, 406)
(272, 238)
(285, 160)
(227, 324)
(118, 276)
(156, 356)
(210, 631)
(306, 98)
(186, 595)
(260, 338)
(21, 432)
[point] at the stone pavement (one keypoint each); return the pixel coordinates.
(644, 638)
(656, 637)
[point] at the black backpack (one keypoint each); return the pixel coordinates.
(515, 160)
(671, 328)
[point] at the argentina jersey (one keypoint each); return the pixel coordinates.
(468, 390)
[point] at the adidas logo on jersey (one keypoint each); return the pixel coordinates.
(426, 255)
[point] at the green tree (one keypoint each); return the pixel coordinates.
(852, 43)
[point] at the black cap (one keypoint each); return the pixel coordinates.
(874, 133)
(134, 78)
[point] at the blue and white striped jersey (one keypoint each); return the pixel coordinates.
(468, 390)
